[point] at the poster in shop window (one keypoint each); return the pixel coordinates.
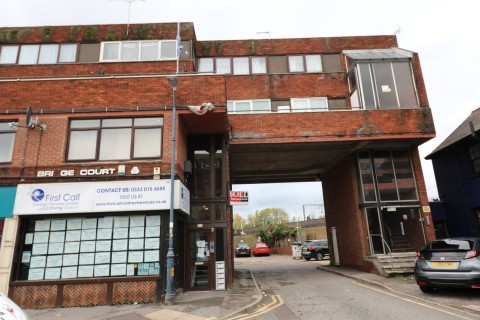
(42, 225)
(38, 262)
(118, 269)
(102, 270)
(36, 274)
(120, 245)
(102, 257)
(152, 243)
(39, 248)
(72, 247)
(58, 236)
(69, 272)
(120, 233)
(86, 258)
(119, 257)
(54, 261)
(55, 248)
(103, 234)
(52, 273)
(73, 235)
(58, 225)
(74, 224)
(85, 271)
(40, 237)
(87, 246)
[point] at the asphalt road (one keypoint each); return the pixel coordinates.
(296, 289)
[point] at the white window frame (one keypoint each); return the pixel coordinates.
(309, 67)
(309, 102)
(139, 55)
(7, 130)
(40, 54)
(292, 64)
(207, 63)
(13, 59)
(232, 106)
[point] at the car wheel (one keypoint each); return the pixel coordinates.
(308, 259)
(426, 289)
(319, 256)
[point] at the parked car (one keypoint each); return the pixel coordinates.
(243, 249)
(316, 249)
(451, 263)
(9, 310)
(261, 249)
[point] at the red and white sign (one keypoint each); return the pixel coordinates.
(238, 198)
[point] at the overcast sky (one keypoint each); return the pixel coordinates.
(443, 33)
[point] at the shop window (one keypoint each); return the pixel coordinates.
(7, 141)
(110, 246)
(115, 139)
(474, 152)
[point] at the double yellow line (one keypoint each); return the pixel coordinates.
(277, 301)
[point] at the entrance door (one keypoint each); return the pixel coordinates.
(201, 260)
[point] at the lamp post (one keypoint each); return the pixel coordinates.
(170, 295)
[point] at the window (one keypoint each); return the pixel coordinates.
(138, 50)
(7, 141)
(295, 64)
(475, 157)
(314, 63)
(109, 246)
(39, 54)
(223, 65)
(259, 65)
(309, 104)
(115, 139)
(383, 85)
(8, 54)
(241, 66)
(205, 65)
(389, 172)
(248, 106)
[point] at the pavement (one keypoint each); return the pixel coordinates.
(242, 296)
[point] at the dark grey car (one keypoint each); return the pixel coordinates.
(315, 249)
(453, 263)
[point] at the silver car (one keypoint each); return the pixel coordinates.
(453, 263)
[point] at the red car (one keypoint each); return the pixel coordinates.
(261, 249)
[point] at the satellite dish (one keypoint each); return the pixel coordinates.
(29, 122)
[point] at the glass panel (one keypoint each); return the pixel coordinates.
(8, 55)
(299, 105)
(259, 65)
(366, 176)
(261, 105)
(149, 51)
(110, 51)
(314, 63)
(404, 83)
(168, 49)
(122, 122)
(296, 63)
(386, 92)
(199, 256)
(223, 65)
(115, 144)
(318, 104)
(146, 122)
(84, 123)
(375, 231)
(240, 66)
(48, 54)
(385, 176)
(147, 143)
(366, 86)
(82, 145)
(28, 54)
(202, 173)
(219, 186)
(230, 106)
(205, 65)
(242, 107)
(201, 212)
(68, 53)
(5, 126)
(404, 175)
(7, 141)
(130, 51)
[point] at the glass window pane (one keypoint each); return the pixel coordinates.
(404, 175)
(84, 123)
(261, 105)
(314, 63)
(299, 105)
(122, 122)
(366, 176)
(205, 65)
(149, 51)
(296, 63)
(387, 187)
(318, 104)
(259, 65)
(230, 106)
(28, 54)
(168, 49)
(130, 51)
(82, 145)
(200, 212)
(240, 66)
(68, 53)
(242, 107)
(7, 140)
(386, 92)
(404, 83)
(366, 86)
(8, 55)
(48, 53)
(111, 51)
(223, 65)
(144, 122)
(115, 144)
(147, 143)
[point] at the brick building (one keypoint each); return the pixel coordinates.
(85, 127)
